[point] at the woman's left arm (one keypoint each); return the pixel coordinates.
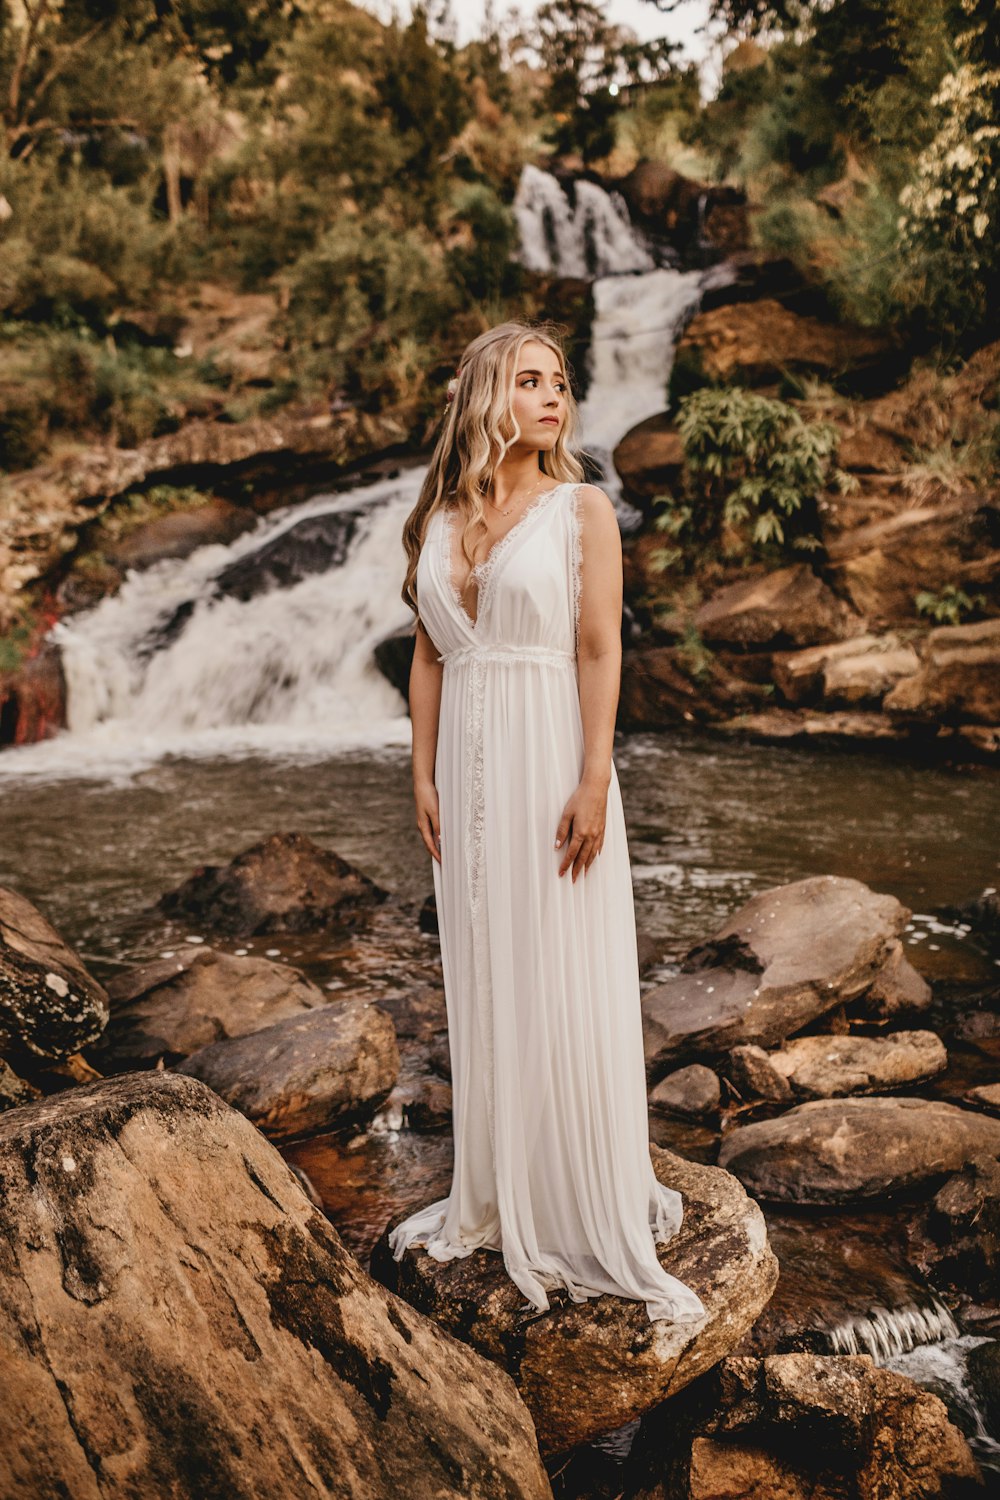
(599, 659)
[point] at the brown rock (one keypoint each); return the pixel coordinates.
(753, 1075)
(882, 565)
(987, 1096)
(959, 679)
(170, 1289)
(955, 1240)
(168, 1009)
(692, 1091)
(180, 533)
(897, 990)
(650, 461)
(820, 1427)
(585, 1368)
(789, 607)
(798, 725)
(755, 343)
(864, 679)
(800, 675)
(50, 1007)
(306, 1073)
(285, 883)
(783, 959)
(847, 1150)
(822, 1067)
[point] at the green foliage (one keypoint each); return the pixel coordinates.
(754, 472)
(950, 605)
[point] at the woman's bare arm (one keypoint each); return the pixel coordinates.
(425, 709)
(599, 660)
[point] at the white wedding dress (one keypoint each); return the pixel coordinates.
(541, 975)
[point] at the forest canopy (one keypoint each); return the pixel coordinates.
(361, 174)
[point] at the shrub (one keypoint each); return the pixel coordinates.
(948, 607)
(754, 472)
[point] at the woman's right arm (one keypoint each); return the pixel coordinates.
(425, 708)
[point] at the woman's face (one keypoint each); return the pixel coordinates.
(540, 390)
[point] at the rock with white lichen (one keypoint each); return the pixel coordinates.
(50, 1006)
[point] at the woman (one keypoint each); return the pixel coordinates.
(515, 571)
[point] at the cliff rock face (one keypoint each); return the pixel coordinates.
(178, 1319)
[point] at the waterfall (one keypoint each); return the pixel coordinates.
(230, 651)
(590, 237)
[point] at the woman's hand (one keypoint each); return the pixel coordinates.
(583, 822)
(428, 816)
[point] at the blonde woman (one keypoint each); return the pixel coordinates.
(515, 574)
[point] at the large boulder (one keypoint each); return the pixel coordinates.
(306, 1073)
(959, 678)
(848, 673)
(586, 1368)
(758, 343)
(823, 1067)
(649, 461)
(50, 1006)
(167, 1009)
(882, 564)
(811, 1427)
(178, 1319)
(835, 1151)
(786, 608)
(782, 960)
(955, 1239)
(285, 883)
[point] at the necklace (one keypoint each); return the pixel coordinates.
(507, 512)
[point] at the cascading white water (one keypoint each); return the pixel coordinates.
(293, 668)
(591, 237)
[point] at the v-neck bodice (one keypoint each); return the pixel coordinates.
(528, 582)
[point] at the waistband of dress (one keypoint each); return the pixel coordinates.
(548, 656)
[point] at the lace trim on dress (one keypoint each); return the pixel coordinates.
(576, 558)
(484, 572)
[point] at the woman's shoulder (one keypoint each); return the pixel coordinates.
(592, 505)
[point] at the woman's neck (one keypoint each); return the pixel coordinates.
(514, 477)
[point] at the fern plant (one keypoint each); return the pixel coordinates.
(950, 605)
(755, 469)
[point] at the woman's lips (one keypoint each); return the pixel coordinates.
(554, 420)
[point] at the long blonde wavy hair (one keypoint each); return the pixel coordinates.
(479, 430)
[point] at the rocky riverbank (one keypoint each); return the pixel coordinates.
(798, 1065)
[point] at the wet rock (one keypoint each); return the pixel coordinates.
(987, 1096)
(898, 990)
(181, 533)
(822, 1067)
(586, 1368)
(777, 726)
(306, 1073)
(847, 674)
(170, 1289)
(758, 343)
(649, 460)
(693, 1091)
(753, 1075)
(955, 1240)
(959, 678)
(813, 1427)
(784, 958)
(33, 697)
(881, 564)
(14, 1090)
(684, 215)
(789, 607)
(285, 883)
(50, 1006)
(983, 1365)
(429, 1106)
(168, 1009)
(657, 688)
(982, 914)
(848, 1150)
